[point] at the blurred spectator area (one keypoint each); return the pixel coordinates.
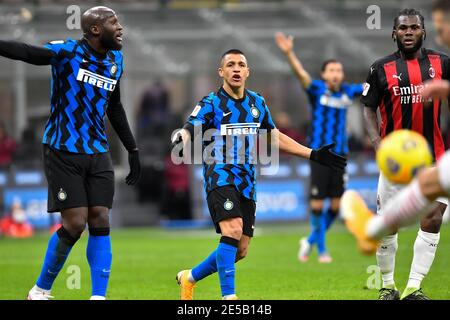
(172, 50)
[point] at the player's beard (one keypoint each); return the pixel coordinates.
(416, 47)
(109, 42)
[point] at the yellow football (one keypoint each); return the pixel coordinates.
(401, 154)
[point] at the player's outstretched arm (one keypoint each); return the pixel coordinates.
(436, 89)
(39, 56)
(286, 45)
(322, 155)
(371, 123)
(118, 118)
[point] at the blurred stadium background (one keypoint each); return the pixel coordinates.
(172, 48)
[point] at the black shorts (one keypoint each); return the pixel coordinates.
(326, 182)
(226, 202)
(78, 180)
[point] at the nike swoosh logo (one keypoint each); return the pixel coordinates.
(225, 114)
(228, 271)
(84, 61)
(106, 271)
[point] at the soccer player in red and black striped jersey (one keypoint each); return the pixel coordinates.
(393, 87)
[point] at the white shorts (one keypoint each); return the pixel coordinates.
(387, 190)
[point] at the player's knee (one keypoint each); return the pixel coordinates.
(316, 205)
(67, 236)
(335, 204)
(232, 228)
(75, 227)
(432, 223)
(98, 217)
(233, 231)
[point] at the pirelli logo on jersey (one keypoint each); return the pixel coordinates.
(335, 102)
(96, 80)
(237, 129)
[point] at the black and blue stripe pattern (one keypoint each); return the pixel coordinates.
(82, 83)
(236, 124)
(329, 113)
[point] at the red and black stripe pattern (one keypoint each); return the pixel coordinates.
(394, 87)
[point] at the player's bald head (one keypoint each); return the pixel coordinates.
(94, 17)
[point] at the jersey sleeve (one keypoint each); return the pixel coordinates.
(314, 87)
(267, 122)
(355, 89)
(56, 48)
(202, 116)
(24, 52)
(371, 95)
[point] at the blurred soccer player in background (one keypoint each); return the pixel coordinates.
(441, 16)
(234, 114)
(85, 87)
(393, 87)
(329, 98)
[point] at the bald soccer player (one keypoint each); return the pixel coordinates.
(86, 77)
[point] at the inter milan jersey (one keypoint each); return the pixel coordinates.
(82, 83)
(394, 85)
(329, 114)
(230, 128)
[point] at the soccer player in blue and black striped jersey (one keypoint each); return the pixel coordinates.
(85, 89)
(329, 98)
(229, 122)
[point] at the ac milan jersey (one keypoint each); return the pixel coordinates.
(394, 85)
(82, 83)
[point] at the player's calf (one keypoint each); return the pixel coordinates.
(243, 248)
(58, 249)
(99, 256)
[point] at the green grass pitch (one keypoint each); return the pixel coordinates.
(145, 262)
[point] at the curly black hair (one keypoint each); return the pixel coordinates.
(409, 12)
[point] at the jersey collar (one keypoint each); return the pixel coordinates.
(85, 44)
(222, 91)
(421, 56)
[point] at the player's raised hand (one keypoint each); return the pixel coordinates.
(286, 44)
(439, 89)
(326, 157)
(135, 168)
